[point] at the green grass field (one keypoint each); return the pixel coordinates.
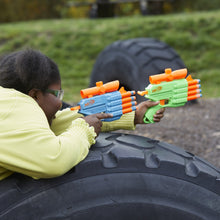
(75, 44)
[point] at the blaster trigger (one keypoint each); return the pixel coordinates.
(164, 102)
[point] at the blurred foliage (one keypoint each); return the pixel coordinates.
(128, 9)
(74, 44)
(133, 8)
(195, 5)
(75, 12)
(23, 10)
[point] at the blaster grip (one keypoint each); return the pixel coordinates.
(149, 115)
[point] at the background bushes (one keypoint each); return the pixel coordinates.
(23, 10)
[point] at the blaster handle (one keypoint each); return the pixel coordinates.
(149, 115)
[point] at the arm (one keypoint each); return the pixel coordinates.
(126, 122)
(63, 120)
(33, 149)
(130, 120)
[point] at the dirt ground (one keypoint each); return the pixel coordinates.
(194, 127)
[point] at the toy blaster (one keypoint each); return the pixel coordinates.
(172, 89)
(107, 99)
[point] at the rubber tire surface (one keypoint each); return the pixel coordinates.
(123, 177)
(132, 61)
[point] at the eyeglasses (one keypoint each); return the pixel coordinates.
(58, 93)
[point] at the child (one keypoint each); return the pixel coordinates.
(36, 138)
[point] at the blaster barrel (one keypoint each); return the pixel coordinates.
(100, 89)
(193, 87)
(127, 94)
(127, 110)
(193, 82)
(128, 104)
(194, 92)
(192, 97)
(128, 99)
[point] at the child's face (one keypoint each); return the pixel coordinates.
(50, 103)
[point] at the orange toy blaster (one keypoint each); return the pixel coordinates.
(171, 89)
(105, 98)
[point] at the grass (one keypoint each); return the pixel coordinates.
(75, 44)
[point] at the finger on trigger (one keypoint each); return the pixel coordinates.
(152, 103)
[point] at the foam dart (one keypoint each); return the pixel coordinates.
(192, 97)
(168, 76)
(193, 87)
(142, 93)
(128, 99)
(75, 108)
(129, 104)
(99, 89)
(126, 110)
(127, 94)
(194, 92)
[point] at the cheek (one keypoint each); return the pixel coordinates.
(53, 105)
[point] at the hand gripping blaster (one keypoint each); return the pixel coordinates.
(105, 98)
(171, 89)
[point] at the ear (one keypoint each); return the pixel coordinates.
(35, 94)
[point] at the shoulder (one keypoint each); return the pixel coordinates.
(17, 107)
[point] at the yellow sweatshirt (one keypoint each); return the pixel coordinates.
(28, 145)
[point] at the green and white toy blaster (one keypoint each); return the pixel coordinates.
(172, 89)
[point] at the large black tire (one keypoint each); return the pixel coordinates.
(133, 61)
(123, 177)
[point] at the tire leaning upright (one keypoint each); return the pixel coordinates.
(132, 61)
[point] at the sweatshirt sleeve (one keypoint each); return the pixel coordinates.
(64, 117)
(126, 122)
(63, 120)
(30, 147)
